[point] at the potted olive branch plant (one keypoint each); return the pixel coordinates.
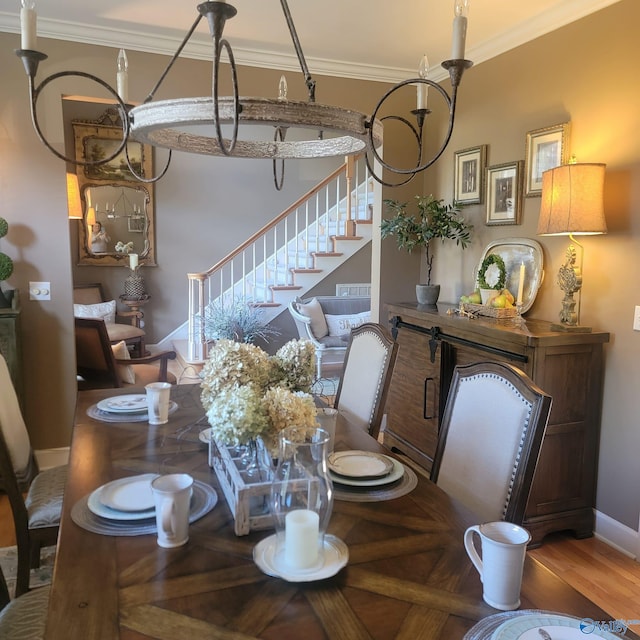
(434, 219)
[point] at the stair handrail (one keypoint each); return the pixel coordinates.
(267, 227)
(196, 334)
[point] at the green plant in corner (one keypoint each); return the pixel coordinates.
(6, 264)
(434, 219)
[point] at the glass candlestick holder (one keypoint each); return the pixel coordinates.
(301, 499)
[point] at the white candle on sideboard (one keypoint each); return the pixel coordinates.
(28, 31)
(520, 284)
(133, 261)
(459, 29)
(301, 538)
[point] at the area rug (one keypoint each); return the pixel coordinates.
(39, 577)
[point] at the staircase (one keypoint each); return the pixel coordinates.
(288, 256)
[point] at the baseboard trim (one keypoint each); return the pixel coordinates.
(48, 458)
(617, 535)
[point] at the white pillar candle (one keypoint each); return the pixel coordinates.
(28, 32)
(520, 284)
(122, 76)
(133, 260)
(422, 90)
(460, 9)
(301, 538)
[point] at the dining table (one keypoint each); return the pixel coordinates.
(407, 574)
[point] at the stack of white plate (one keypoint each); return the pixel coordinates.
(128, 408)
(541, 625)
(124, 499)
(364, 468)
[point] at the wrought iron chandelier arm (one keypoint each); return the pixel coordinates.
(35, 94)
(186, 39)
(219, 45)
(141, 178)
(310, 82)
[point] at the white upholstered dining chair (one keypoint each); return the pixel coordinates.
(492, 429)
(36, 517)
(368, 365)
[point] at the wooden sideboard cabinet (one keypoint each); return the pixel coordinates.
(568, 366)
(10, 343)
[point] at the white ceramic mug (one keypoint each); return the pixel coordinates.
(172, 497)
(158, 402)
(503, 550)
(326, 419)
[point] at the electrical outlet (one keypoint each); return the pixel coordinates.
(39, 291)
(636, 318)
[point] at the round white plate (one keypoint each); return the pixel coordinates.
(360, 464)
(336, 555)
(557, 626)
(129, 494)
(396, 473)
(98, 508)
(133, 403)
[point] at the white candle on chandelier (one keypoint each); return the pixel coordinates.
(422, 90)
(520, 284)
(122, 76)
(460, 10)
(28, 30)
(133, 261)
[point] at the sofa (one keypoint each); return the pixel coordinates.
(327, 322)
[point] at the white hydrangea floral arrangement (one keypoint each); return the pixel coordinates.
(248, 394)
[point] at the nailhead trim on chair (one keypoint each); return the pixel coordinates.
(522, 435)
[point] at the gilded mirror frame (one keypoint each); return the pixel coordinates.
(92, 139)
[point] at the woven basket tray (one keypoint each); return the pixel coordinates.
(484, 310)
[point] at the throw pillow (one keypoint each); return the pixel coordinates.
(104, 310)
(313, 310)
(342, 325)
(125, 371)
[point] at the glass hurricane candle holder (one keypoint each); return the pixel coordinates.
(301, 499)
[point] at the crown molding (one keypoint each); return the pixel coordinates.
(199, 47)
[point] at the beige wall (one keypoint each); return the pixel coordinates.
(205, 207)
(584, 73)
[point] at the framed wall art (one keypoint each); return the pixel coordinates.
(504, 193)
(468, 174)
(545, 149)
(111, 195)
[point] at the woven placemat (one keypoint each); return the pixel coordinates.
(109, 416)
(203, 500)
(401, 487)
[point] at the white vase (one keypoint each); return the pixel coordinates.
(487, 294)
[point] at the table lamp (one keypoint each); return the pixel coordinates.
(572, 204)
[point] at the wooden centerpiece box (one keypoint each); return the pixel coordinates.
(568, 366)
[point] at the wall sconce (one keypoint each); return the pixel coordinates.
(73, 197)
(572, 204)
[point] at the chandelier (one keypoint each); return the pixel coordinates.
(195, 125)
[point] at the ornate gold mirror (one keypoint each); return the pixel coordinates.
(118, 210)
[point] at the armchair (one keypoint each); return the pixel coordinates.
(99, 368)
(89, 302)
(327, 322)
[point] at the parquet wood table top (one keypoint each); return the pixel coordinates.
(408, 575)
